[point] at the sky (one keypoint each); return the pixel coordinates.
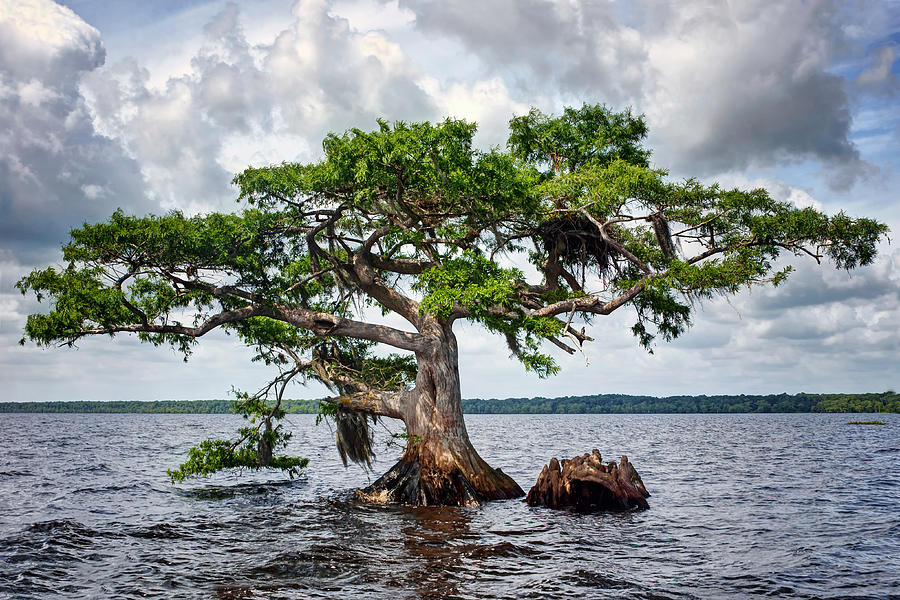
(153, 106)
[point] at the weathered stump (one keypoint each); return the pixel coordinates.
(585, 484)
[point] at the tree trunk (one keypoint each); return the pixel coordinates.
(440, 466)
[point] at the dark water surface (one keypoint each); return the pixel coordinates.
(799, 506)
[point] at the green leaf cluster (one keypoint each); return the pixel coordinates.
(590, 135)
(211, 456)
(254, 449)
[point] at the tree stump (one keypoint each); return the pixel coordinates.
(585, 484)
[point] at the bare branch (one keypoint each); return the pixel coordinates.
(374, 237)
(369, 282)
(217, 291)
(403, 266)
(229, 316)
(590, 304)
(306, 280)
(559, 343)
(326, 324)
(697, 226)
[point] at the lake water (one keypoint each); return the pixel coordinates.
(799, 506)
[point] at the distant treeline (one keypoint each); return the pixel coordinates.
(185, 407)
(604, 403)
(618, 404)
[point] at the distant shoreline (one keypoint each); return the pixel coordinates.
(886, 402)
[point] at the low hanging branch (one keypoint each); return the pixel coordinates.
(259, 440)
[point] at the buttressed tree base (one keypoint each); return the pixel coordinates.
(410, 219)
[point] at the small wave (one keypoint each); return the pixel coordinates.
(225, 492)
(5, 474)
(96, 468)
(60, 527)
(110, 488)
(503, 550)
(163, 531)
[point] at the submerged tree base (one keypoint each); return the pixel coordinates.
(407, 482)
(585, 484)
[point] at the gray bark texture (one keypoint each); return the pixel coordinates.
(440, 466)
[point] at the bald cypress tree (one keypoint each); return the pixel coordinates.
(412, 220)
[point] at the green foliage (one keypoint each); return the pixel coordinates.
(477, 284)
(573, 190)
(254, 449)
(211, 456)
(660, 309)
(490, 295)
(403, 439)
(183, 407)
(887, 402)
(593, 134)
(353, 432)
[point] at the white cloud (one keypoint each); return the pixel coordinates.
(724, 85)
(317, 75)
(486, 102)
(41, 35)
(578, 47)
(738, 88)
(778, 190)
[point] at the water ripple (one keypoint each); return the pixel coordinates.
(799, 506)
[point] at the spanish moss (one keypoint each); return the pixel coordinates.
(353, 437)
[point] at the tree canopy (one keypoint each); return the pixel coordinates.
(413, 219)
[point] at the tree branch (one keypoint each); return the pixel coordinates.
(229, 316)
(320, 323)
(402, 266)
(590, 304)
(375, 402)
(326, 324)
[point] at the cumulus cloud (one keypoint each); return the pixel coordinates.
(55, 169)
(822, 331)
(724, 85)
(581, 47)
(740, 89)
(748, 84)
(877, 285)
(81, 138)
(486, 102)
(777, 189)
(316, 76)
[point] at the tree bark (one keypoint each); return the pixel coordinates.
(440, 466)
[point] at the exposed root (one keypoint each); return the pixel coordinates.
(408, 483)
